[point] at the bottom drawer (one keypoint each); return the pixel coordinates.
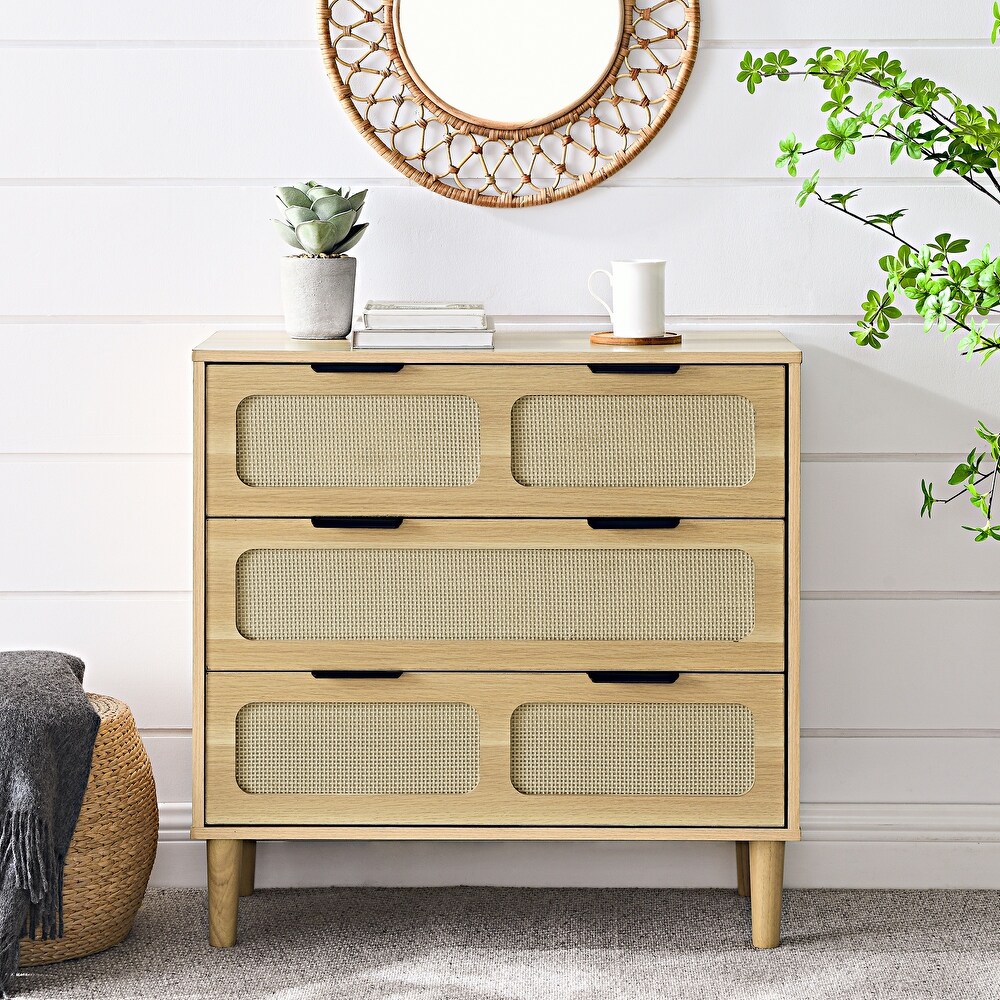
(499, 749)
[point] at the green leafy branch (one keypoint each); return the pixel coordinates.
(951, 290)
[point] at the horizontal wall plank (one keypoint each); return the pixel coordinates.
(915, 769)
(170, 755)
(294, 126)
(757, 253)
(97, 388)
(862, 531)
(900, 665)
(866, 664)
(127, 388)
(255, 20)
(929, 771)
(809, 865)
(136, 647)
(95, 526)
(916, 395)
(124, 524)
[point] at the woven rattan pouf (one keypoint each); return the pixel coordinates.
(112, 853)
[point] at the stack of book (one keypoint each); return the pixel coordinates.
(431, 325)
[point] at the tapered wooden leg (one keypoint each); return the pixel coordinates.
(248, 867)
(225, 860)
(743, 867)
(767, 870)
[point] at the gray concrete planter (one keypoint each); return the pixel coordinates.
(318, 293)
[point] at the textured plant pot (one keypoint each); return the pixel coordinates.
(318, 293)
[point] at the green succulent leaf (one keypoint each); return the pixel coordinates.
(321, 191)
(322, 237)
(290, 196)
(357, 200)
(287, 233)
(297, 215)
(333, 204)
(353, 238)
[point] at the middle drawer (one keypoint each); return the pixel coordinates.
(495, 595)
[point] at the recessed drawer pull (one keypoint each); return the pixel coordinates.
(384, 523)
(347, 367)
(633, 523)
(625, 369)
(634, 676)
(357, 675)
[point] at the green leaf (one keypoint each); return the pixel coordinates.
(296, 215)
(286, 232)
(289, 196)
(330, 205)
(928, 491)
(808, 189)
(353, 237)
(323, 237)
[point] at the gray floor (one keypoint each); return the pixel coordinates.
(522, 944)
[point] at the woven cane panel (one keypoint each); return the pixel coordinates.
(501, 594)
(359, 441)
(633, 441)
(629, 749)
(357, 748)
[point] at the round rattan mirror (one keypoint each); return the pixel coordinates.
(509, 104)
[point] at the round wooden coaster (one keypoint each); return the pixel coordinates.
(610, 340)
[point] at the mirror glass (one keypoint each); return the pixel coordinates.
(508, 62)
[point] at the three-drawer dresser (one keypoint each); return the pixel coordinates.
(544, 592)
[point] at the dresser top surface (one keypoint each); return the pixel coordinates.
(514, 344)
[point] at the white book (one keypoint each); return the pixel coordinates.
(379, 315)
(422, 339)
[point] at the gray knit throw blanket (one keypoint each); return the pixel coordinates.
(47, 734)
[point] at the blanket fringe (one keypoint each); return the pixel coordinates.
(27, 847)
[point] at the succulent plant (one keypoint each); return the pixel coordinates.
(320, 221)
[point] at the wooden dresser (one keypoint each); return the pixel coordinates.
(545, 592)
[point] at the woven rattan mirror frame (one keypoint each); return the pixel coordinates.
(467, 159)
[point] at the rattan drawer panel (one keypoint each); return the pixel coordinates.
(647, 748)
(620, 442)
(504, 748)
(495, 441)
(373, 441)
(471, 594)
(357, 748)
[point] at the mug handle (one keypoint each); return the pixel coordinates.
(590, 288)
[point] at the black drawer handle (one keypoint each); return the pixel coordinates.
(357, 675)
(611, 368)
(347, 367)
(633, 523)
(634, 676)
(385, 523)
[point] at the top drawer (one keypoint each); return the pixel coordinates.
(492, 440)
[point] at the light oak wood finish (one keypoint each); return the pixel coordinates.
(761, 649)
(522, 346)
(760, 671)
(742, 868)
(198, 605)
(793, 622)
(225, 859)
(460, 834)
(494, 698)
(495, 391)
(767, 867)
(248, 868)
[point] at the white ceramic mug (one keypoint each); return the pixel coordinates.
(638, 295)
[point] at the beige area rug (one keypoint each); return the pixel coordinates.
(530, 944)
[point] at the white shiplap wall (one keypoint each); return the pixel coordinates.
(140, 145)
